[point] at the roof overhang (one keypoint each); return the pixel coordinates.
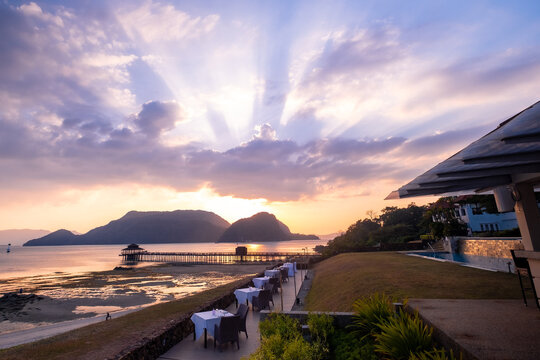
(507, 155)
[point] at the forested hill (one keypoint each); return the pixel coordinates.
(261, 227)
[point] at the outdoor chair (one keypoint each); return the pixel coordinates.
(227, 331)
(242, 314)
(285, 274)
(262, 300)
(522, 267)
(270, 288)
(275, 284)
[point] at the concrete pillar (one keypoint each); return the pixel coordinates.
(528, 217)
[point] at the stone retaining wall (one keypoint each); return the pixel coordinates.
(497, 248)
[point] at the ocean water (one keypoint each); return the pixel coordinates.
(77, 259)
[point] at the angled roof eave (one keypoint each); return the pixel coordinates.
(511, 149)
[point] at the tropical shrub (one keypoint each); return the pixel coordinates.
(402, 336)
(299, 349)
(281, 338)
(279, 324)
(321, 328)
(347, 346)
(369, 313)
(376, 332)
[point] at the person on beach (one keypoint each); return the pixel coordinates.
(108, 317)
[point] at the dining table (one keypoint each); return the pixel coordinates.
(205, 321)
(291, 267)
(246, 294)
(272, 273)
(260, 281)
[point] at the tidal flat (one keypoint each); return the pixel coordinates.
(59, 297)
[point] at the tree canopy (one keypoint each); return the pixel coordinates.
(394, 225)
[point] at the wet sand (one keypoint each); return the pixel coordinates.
(59, 298)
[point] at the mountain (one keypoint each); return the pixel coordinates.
(17, 237)
(261, 227)
(180, 226)
(59, 237)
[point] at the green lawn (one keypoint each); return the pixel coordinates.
(342, 279)
(108, 338)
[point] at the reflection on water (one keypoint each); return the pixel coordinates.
(41, 260)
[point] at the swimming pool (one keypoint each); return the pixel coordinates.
(481, 262)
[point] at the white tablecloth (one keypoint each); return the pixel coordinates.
(271, 273)
(207, 319)
(291, 267)
(246, 294)
(260, 281)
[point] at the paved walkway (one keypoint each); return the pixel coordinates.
(485, 329)
(188, 349)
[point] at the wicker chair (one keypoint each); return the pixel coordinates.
(242, 314)
(262, 300)
(285, 274)
(270, 288)
(275, 284)
(227, 331)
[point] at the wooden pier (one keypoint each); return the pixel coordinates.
(133, 253)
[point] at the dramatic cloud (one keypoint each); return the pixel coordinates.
(53, 64)
(357, 52)
(264, 132)
(291, 102)
(157, 117)
(154, 21)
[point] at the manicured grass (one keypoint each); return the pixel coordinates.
(342, 279)
(105, 339)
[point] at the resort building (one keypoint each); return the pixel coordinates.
(478, 220)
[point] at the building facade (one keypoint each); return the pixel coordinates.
(479, 221)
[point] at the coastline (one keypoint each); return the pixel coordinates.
(73, 301)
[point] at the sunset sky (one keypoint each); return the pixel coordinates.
(312, 110)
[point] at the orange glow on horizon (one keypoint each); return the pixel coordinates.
(81, 210)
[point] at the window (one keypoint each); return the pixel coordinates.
(497, 227)
(477, 211)
(463, 212)
(482, 227)
(491, 227)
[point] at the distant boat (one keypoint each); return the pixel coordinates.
(8, 248)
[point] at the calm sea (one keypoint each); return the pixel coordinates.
(41, 260)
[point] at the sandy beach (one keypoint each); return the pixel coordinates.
(49, 305)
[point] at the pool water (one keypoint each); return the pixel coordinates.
(481, 262)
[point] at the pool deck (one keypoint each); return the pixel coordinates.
(484, 329)
(188, 349)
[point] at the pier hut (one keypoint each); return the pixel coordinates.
(132, 253)
(242, 252)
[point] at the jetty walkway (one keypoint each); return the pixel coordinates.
(133, 253)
